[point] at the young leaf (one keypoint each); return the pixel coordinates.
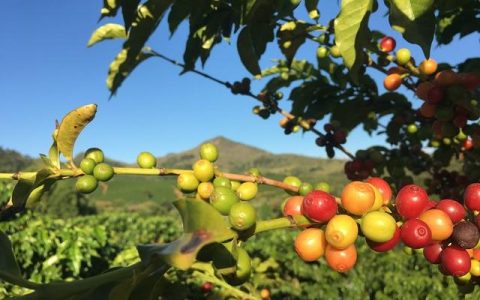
(54, 154)
(71, 127)
(415, 20)
(105, 32)
(351, 33)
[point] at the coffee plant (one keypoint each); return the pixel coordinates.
(380, 208)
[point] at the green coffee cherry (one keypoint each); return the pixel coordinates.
(86, 184)
(335, 51)
(292, 180)
(146, 160)
(242, 215)
(235, 185)
(187, 182)
(322, 186)
(247, 191)
(103, 172)
(87, 165)
(203, 170)
(222, 181)
(222, 200)
(96, 154)
(209, 152)
(305, 188)
(254, 172)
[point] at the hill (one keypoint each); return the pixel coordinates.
(152, 194)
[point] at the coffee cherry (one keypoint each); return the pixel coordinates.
(455, 261)
(322, 52)
(378, 226)
(383, 187)
(310, 244)
(86, 184)
(341, 260)
(453, 209)
(428, 66)
(222, 199)
(146, 160)
(242, 215)
(323, 186)
(446, 78)
(187, 182)
(412, 128)
(206, 287)
(385, 246)
(205, 190)
(222, 181)
(358, 197)
(292, 206)
(335, 51)
(203, 170)
(103, 172)
(435, 95)
(292, 180)
(341, 231)
(471, 196)
(403, 56)
(433, 253)
(87, 165)
(439, 223)
(387, 44)
(392, 82)
(95, 154)
(466, 235)
(415, 234)
(209, 152)
(265, 294)
(319, 206)
(235, 184)
(247, 191)
(411, 201)
(305, 188)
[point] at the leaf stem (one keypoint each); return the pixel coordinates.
(278, 223)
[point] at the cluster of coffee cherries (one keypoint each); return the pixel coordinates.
(447, 184)
(230, 198)
(241, 87)
(363, 165)
(445, 231)
(332, 138)
(95, 170)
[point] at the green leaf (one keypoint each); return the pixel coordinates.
(311, 6)
(8, 263)
(251, 44)
(202, 225)
(129, 9)
(413, 9)
(106, 32)
(352, 33)
(291, 36)
(180, 11)
(54, 154)
(121, 67)
(419, 30)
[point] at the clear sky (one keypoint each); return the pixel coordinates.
(46, 71)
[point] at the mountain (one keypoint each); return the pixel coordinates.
(13, 161)
(151, 193)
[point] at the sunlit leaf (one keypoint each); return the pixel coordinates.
(351, 33)
(419, 30)
(413, 9)
(290, 37)
(202, 225)
(70, 128)
(311, 6)
(107, 32)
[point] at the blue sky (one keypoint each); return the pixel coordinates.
(46, 71)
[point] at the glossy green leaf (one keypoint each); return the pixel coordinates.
(352, 33)
(311, 6)
(291, 36)
(251, 44)
(129, 10)
(121, 67)
(419, 30)
(413, 9)
(107, 32)
(202, 225)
